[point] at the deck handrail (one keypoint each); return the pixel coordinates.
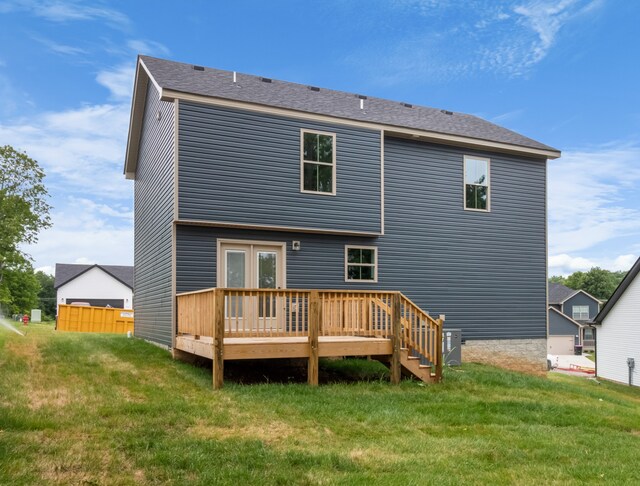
(286, 312)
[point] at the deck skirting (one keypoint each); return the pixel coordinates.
(285, 347)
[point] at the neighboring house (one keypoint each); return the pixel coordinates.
(619, 332)
(577, 310)
(98, 285)
(564, 333)
(243, 181)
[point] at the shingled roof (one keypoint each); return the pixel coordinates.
(175, 78)
(211, 82)
(558, 293)
(65, 272)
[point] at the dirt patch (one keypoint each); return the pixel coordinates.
(69, 458)
(112, 362)
(53, 397)
(25, 349)
(270, 433)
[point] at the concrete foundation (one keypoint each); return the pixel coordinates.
(528, 355)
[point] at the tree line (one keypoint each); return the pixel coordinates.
(24, 212)
(597, 282)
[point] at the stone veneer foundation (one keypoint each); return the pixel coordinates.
(529, 355)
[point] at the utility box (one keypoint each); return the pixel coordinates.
(452, 347)
(36, 315)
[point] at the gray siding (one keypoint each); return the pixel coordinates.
(318, 264)
(581, 299)
(243, 167)
(153, 223)
(561, 326)
(485, 271)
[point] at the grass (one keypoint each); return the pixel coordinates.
(104, 409)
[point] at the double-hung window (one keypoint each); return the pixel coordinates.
(318, 162)
(361, 264)
(476, 183)
(580, 312)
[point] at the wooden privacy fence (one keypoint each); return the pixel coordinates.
(80, 318)
(259, 313)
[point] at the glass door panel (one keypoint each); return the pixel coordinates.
(235, 278)
(267, 275)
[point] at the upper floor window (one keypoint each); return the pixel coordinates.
(361, 263)
(581, 312)
(476, 183)
(318, 162)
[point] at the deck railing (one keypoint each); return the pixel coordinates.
(312, 313)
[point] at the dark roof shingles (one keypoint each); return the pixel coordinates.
(558, 293)
(217, 83)
(65, 272)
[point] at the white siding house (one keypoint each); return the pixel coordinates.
(99, 285)
(618, 333)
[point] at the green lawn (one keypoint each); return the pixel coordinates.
(104, 409)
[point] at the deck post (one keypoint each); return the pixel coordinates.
(439, 358)
(315, 316)
(396, 339)
(218, 339)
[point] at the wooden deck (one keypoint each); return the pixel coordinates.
(237, 324)
(286, 347)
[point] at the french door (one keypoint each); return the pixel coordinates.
(251, 265)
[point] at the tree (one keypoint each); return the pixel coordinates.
(598, 282)
(47, 294)
(575, 281)
(558, 279)
(21, 289)
(24, 210)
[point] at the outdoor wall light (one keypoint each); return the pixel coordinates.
(295, 245)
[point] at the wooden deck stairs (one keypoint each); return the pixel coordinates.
(231, 324)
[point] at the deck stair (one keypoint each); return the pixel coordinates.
(223, 324)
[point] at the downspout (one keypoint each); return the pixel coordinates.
(595, 347)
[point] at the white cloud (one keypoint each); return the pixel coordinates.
(119, 81)
(593, 197)
(565, 264)
(82, 153)
(459, 39)
(67, 11)
(148, 47)
(81, 235)
(81, 150)
(58, 48)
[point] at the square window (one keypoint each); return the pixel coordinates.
(361, 264)
(580, 312)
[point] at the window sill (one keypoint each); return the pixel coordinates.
(319, 193)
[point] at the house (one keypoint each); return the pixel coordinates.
(98, 285)
(618, 337)
(571, 314)
(248, 182)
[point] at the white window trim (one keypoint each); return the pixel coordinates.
(464, 184)
(580, 313)
(374, 265)
(302, 162)
(221, 279)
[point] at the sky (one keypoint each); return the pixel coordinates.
(564, 72)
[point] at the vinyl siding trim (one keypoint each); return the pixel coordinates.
(295, 229)
(381, 182)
